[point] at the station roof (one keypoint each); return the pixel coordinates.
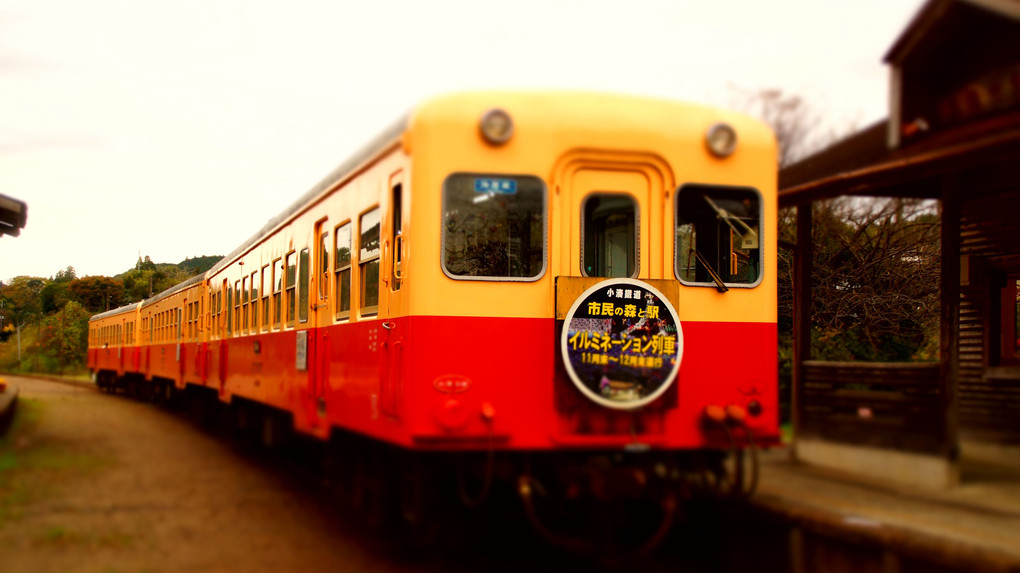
(13, 216)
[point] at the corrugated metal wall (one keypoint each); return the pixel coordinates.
(989, 389)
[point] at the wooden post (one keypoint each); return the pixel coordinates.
(949, 347)
(802, 265)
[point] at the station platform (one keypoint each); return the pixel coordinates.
(8, 401)
(841, 522)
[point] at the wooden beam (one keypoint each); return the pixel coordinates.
(949, 335)
(802, 267)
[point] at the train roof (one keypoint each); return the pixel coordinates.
(119, 310)
(558, 104)
(384, 140)
(174, 289)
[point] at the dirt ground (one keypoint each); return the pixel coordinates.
(96, 483)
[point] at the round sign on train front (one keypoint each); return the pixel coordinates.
(622, 343)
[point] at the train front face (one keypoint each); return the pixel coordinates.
(590, 273)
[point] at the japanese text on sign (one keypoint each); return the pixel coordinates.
(657, 344)
(626, 310)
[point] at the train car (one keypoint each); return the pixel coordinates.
(171, 338)
(553, 278)
(113, 350)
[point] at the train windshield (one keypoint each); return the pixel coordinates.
(718, 236)
(494, 227)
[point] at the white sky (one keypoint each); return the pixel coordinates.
(136, 126)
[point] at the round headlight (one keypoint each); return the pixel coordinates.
(496, 126)
(721, 140)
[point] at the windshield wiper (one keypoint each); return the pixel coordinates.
(719, 284)
(748, 239)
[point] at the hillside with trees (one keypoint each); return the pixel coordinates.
(44, 321)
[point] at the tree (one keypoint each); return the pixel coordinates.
(799, 128)
(63, 340)
(97, 293)
(875, 282)
(53, 296)
(65, 276)
(22, 299)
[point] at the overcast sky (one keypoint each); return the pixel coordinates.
(176, 129)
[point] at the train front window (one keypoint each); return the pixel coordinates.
(718, 236)
(494, 227)
(609, 231)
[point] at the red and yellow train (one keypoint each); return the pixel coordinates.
(587, 276)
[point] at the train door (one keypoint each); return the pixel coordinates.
(121, 343)
(614, 218)
(392, 299)
(319, 349)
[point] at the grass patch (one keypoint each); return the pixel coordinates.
(59, 536)
(31, 467)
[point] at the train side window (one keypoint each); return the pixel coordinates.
(223, 307)
(303, 284)
(266, 277)
(368, 262)
(609, 246)
(494, 227)
(398, 237)
(291, 287)
(244, 305)
(718, 236)
(342, 270)
(324, 265)
(254, 317)
(237, 307)
(277, 292)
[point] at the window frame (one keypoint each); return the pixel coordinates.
(253, 304)
(761, 235)
(370, 310)
(264, 322)
(279, 270)
(341, 313)
(637, 229)
(245, 299)
(290, 288)
(545, 227)
(304, 262)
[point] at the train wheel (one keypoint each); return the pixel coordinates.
(372, 496)
(419, 517)
(274, 431)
